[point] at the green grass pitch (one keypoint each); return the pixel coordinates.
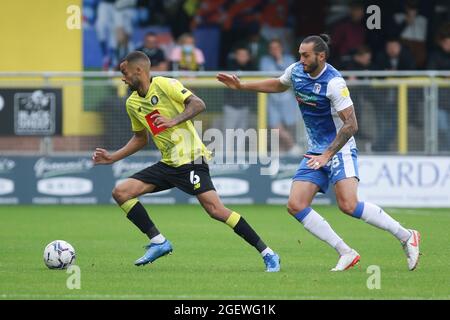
(210, 261)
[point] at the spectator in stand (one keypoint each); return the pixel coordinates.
(241, 60)
(186, 56)
(124, 46)
(255, 43)
(125, 20)
(440, 60)
(210, 13)
(282, 107)
(241, 19)
(178, 15)
(154, 53)
(105, 27)
(395, 57)
(238, 104)
(362, 96)
(360, 60)
(412, 29)
(350, 33)
(274, 20)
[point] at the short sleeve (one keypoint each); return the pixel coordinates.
(338, 94)
(285, 79)
(136, 125)
(175, 90)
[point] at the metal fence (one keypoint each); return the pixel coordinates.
(398, 112)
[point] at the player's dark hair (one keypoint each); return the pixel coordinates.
(136, 56)
(321, 43)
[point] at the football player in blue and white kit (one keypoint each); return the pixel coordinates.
(330, 122)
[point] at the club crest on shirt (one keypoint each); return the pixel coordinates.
(317, 88)
(154, 100)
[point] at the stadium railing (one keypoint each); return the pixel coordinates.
(401, 112)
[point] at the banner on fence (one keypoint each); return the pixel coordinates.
(387, 181)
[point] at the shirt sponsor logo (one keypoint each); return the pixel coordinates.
(150, 121)
(65, 186)
(306, 99)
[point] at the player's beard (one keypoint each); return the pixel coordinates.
(134, 85)
(312, 67)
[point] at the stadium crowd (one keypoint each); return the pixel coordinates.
(263, 35)
(414, 34)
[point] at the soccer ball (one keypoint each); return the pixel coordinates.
(59, 254)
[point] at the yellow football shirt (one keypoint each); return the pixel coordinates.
(178, 145)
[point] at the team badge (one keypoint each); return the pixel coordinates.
(154, 100)
(317, 88)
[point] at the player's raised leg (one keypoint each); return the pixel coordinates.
(347, 198)
(299, 206)
(126, 194)
(215, 208)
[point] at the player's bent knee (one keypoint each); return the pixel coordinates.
(116, 194)
(120, 195)
(293, 207)
(347, 207)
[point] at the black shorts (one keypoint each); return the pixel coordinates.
(191, 178)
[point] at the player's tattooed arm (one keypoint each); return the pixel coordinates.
(193, 105)
(349, 128)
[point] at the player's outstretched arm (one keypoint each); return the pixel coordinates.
(136, 143)
(268, 85)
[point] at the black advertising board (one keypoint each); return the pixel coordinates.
(30, 112)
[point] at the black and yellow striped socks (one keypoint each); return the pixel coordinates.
(137, 214)
(244, 230)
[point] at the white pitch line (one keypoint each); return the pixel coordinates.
(204, 297)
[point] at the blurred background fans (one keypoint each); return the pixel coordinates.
(404, 108)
